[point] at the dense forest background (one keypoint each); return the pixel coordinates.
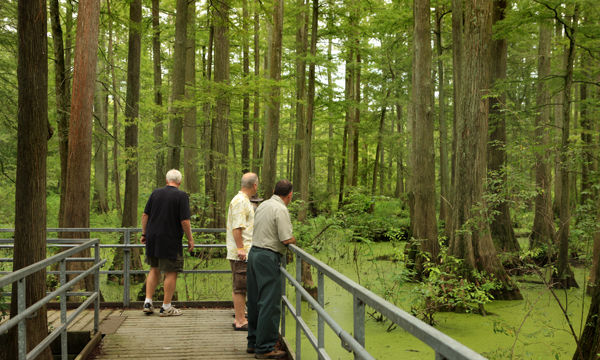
(476, 117)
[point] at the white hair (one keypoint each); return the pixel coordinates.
(249, 179)
(173, 176)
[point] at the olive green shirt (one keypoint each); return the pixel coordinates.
(272, 225)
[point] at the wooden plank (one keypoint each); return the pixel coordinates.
(197, 334)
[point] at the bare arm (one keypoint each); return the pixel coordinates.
(239, 242)
(289, 241)
(144, 223)
(187, 229)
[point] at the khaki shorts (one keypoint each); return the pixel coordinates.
(166, 265)
(238, 269)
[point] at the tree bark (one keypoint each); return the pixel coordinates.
(271, 136)
(379, 149)
(256, 109)
(558, 124)
(100, 197)
(563, 277)
(77, 197)
(423, 183)
(115, 150)
(159, 168)
(208, 113)
(220, 123)
(32, 149)
(300, 62)
(190, 128)
(399, 156)
(62, 99)
(349, 95)
(501, 224)
(443, 127)
(542, 232)
(470, 239)
(246, 90)
(178, 92)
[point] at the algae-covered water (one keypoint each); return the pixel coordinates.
(533, 328)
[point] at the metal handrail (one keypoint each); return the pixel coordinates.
(23, 311)
(444, 346)
(127, 246)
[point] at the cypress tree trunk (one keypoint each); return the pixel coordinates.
(301, 45)
(178, 92)
(115, 150)
(77, 197)
(256, 109)
(32, 148)
(349, 95)
(470, 239)
(221, 120)
(271, 136)
(246, 90)
(190, 129)
(399, 156)
(443, 127)
(542, 232)
(501, 224)
(563, 277)
(424, 223)
(61, 86)
(100, 197)
(159, 169)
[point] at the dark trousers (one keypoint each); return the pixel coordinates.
(264, 299)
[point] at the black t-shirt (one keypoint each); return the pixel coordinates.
(166, 208)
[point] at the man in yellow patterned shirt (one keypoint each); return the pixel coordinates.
(240, 225)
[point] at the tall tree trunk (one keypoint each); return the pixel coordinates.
(349, 95)
(246, 91)
(563, 277)
(132, 102)
(423, 183)
(330, 143)
(443, 127)
(542, 232)
(558, 124)
(501, 224)
(77, 198)
(353, 131)
(379, 149)
(208, 114)
(32, 148)
(256, 109)
(271, 136)
(178, 92)
(62, 99)
(100, 197)
(470, 239)
(159, 168)
(221, 120)
(190, 133)
(115, 150)
(301, 45)
(399, 156)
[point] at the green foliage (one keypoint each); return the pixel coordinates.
(450, 286)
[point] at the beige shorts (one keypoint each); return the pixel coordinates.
(238, 269)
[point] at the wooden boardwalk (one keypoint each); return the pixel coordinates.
(197, 334)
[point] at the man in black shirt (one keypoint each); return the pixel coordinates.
(166, 218)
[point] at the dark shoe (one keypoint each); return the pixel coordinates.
(241, 328)
(275, 354)
(250, 350)
(148, 309)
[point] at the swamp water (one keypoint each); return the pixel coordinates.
(533, 328)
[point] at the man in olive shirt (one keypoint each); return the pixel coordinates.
(272, 232)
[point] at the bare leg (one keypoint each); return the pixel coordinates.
(170, 281)
(239, 306)
(152, 281)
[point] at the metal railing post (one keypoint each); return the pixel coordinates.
(22, 329)
(359, 322)
(97, 287)
(321, 300)
(283, 295)
(126, 258)
(298, 308)
(64, 349)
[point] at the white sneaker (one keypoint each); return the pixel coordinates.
(172, 311)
